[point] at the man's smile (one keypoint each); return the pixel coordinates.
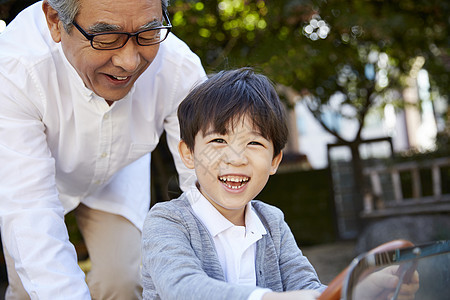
(120, 77)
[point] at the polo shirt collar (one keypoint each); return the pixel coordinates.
(214, 221)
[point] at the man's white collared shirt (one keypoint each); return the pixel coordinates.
(61, 145)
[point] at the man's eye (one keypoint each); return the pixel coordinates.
(150, 35)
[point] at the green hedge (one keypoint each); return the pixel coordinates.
(306, 200)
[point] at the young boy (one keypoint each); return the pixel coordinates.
(215, 241)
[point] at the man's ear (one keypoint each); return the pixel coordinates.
(53, 23)
(187, 156)
(276, 162)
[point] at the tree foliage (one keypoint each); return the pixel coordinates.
(342, 56)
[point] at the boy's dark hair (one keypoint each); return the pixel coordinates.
(228, 96)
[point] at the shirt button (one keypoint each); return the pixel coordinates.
(106, 117)
(98, 182)
(104, 154)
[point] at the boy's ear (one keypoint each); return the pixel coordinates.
(276, 162)
(53, 23)
(187, 156)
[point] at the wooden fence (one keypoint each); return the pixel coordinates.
(386, 195)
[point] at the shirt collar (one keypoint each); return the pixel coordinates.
(74, 77)
(214, 221)
(252, 222)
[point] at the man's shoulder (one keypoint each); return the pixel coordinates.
(173, 44)
(27, 39)
(175, 51)
(172, 73)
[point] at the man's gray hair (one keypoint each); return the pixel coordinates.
(68, 9)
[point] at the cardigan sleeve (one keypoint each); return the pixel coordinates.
(175, 258)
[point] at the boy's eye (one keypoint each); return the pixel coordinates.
(218, 140)
(255, 143)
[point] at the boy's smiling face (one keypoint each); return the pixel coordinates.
(232, 168)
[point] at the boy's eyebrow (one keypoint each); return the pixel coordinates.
(257, 133)
(213, 132)
(210, 132)
(105, 27)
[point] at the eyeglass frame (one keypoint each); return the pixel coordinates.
(91, 36)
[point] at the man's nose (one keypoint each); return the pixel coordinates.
(128, 57)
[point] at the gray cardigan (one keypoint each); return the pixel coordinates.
(180, 260)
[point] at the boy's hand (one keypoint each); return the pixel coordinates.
(297, 295)
(383, 283)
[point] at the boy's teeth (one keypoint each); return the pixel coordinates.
(234, 182)
(233, 187)
(232, 179)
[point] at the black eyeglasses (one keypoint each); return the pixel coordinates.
(116, 40)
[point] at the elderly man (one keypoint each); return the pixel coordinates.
(86, 89)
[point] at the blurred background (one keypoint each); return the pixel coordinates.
(366, 85)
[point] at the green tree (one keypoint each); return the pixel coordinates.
(361, 51)
(342, 57)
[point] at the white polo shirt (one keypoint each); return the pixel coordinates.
(235, 245)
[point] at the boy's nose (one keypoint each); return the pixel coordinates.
(235, 157)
